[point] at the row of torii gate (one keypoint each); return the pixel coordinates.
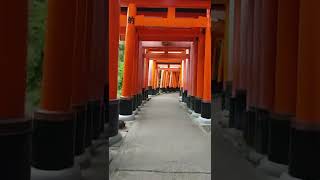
(142, 66)
(79, 107)
(272, 82)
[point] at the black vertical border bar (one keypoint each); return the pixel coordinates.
(106, 96)
(212, 104)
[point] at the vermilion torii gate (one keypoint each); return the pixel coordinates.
(71, 116)
(175, 23)
(274, 70)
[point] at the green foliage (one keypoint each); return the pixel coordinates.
(120, 68)
(37, 17)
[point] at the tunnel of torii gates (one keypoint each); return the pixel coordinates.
(270, 73)
(271, 78)
(167, 48)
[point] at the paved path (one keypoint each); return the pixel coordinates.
(228, 162)
(164, 144)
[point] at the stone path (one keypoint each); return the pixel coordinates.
(163, 144)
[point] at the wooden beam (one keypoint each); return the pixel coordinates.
(152, 44)
(170, 69)
(151, 55)
(166, 49)
(168, 61)
(144, 21)
(196, 4)
(164, 34)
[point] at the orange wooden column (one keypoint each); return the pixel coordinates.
(87, 52)
(236, 63)
(54, 121)
(249, 53)
(241, 92)
(150, 77)
(94, 105)
(181, 79)
(249, 112)
(236, 47)
(156, 78)
(206, 101)
(114, 26)
(255, 67)
(194, 74)
(126, 106)
(79, 78)
(182, 75)
(140, 74)
(152, 81)
(15, 129)
(102, 31)
(255, 74)
(226, 46)
(134, 76)
(200, 74)
(284, 107)
(161, 79)
(146, 78)
(188, 80)
(185, 72)
(266, 72)
(243, 46)
(305, 133)
(170, 80)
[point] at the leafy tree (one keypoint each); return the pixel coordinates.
(37, 18)
(120, 68)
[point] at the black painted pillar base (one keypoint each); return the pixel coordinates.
(134, 103)
(304, 156)
(53, 140)
(103, 118)
(126, 106)
(262, 131)
(232, 112)
(223, 100)
(279, 133)
(184, 96)
(153, 92)
(89, 124)
(140, 98)
(188, 99)
(192, 98)
(113, 124)
(228, 94)
(249, 133)
(96, 121)
(197, 105)
(15, 140)
(240, 109)
(206, 110)
(80, 117)
(144, 94)
(150, 90)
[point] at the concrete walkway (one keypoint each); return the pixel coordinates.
(163, 144)
(229, 161)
